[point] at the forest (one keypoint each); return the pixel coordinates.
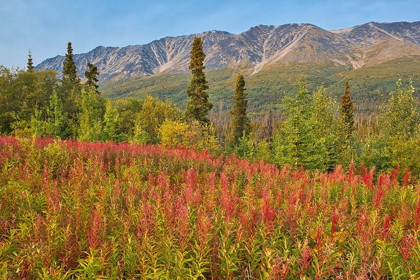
(312, 130)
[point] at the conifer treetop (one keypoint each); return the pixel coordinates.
(69, 67)
(30, 67)
(92, 76)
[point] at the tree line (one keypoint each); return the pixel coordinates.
(317, 133)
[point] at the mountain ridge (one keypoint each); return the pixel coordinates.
(257, 48)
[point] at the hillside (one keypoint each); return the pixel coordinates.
(271, 57)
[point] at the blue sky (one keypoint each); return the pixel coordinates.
(45, 26)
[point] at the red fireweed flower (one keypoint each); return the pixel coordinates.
(407, 244)
(334, 223)
(386, 227)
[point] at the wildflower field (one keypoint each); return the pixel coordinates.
(73, 210)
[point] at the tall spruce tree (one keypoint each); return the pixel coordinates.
(30, 67)
(198, 106)
(69, 67)
(92, 77)
(70, 92)
(347, 111)
(240, 121)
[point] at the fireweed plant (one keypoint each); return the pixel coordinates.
(72, 210)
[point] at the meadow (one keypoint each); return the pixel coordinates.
(74, 210)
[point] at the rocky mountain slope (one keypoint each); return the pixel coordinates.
(258, 48)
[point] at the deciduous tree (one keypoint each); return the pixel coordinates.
(153, 114)
(91, 114)
(57, 117)
(112, 122)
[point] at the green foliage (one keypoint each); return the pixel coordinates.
(57, 117)
(263, 151)
(294, 144)
(313, 135)
(153, 114)
(174, 133)
(20, 93)
(327, 125)
(112, 123)
(240, 121)
(207, 138)
(400, 117)
(127, 111)
(38, 125)
(198, 106)
(374, 153)
(404, 152)
(91, 114)
(245, 147)
(398, 139)
(140, 136)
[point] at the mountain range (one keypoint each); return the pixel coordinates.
(262, 51)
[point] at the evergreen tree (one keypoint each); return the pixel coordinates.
(347, 111)
(295, 142)
(69, 67)
(245, 148)
(199, 106)
(70, 92)
(240, 121)
(327, 129)
(92, 77)
(30, 67)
